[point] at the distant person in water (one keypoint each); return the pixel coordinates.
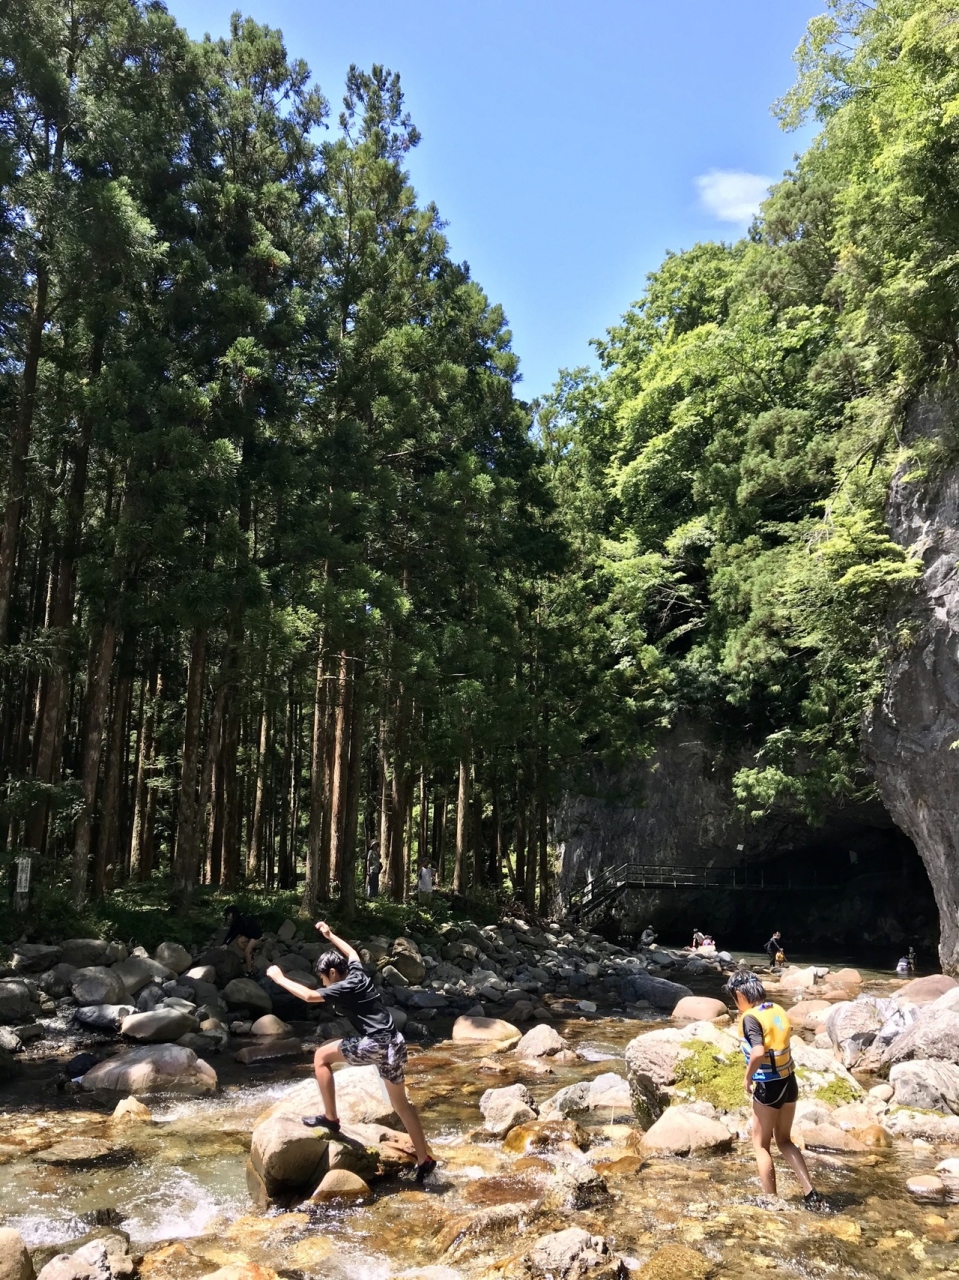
(246, 932)
(902, 966)
(774, 949)
(378, 1043)
(764, 1031)
(647, 937)
(698, 939)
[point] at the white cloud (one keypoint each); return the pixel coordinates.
(731, 195)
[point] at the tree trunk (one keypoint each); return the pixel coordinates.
(341, 760)
(186, 865)
(462, 825)
(104, 864)
(314, 890)
(254, 857)
(20, 443)
(141, 855)
(353, 792)
(232, 801)
(97, 702)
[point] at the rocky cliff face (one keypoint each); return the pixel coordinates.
(912, 736)
(677, 809)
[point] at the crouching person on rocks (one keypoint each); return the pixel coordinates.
(378, 1043)
(764, 1032)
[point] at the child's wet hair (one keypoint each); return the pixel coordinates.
(747, 984)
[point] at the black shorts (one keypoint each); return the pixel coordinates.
(777, 1093)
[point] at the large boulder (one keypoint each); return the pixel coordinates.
(852, 1027)
(659, 992)
(83, 953)
(270, 1025)
(934, 1034)
(681, 1131)
(360, 1099)
(161, 1068)
(34, 957)
(926, 1085)
(102, 1017)
(504, 1108)
(651, 1061)
(541, 1042)
(15, 1000)
(286, 1155)
(98, 985)
(340, 1184)
(408, 961)
(471, 1029)
(172, 956)
(699, 1009)
(225, 963)
(926, 990)
(105, 1257)
(15, 1261)
(606, 1099)
(808, 1015)
(162, 1026)
(138, 971)
(56, 982)
(244, 993)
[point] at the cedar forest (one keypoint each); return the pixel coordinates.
(288, 568)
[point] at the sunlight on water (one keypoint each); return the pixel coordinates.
(596, 1053)
(48, 1228)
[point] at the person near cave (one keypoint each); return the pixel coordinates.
(698, 939)
(246, 932)
(377, 1043)
(764, 1031)
(648, 936)
(775, 950)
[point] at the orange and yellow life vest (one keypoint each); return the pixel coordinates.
(778, 1062)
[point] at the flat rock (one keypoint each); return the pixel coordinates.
(829, 1137)
(83, 953)
(161, 1068)
(274, 1047)
(360, 1099)
(925, 990)
(659, 992)
(477, 1030)
(926, 1186)
(98, 985)
(138, 971)
(34, 957)
(102, 1017)
(162, 1026)
(83, 1153)
(681, 1131)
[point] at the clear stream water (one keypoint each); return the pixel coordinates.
(183, 1199)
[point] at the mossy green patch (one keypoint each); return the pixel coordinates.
(836, 1093)
(706, 1075)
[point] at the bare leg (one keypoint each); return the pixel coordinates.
(323, 1059)
(411, 1121)
(248, 950)
(764, 1122)
(790, 1152)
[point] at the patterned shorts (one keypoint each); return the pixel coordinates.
(385, 1050)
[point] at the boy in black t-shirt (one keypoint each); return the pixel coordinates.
(378, 1043)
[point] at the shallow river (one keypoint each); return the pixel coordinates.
(186, 1183)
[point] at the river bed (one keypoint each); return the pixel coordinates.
(181, 1193)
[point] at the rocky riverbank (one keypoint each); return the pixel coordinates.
(85, 993)
(570, 1146)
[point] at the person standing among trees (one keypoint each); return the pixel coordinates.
(373, 868)
(378, 1042)
(764, 1031)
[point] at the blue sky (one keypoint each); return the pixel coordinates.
(568, 144)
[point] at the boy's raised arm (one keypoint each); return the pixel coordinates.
(350, 952)
(295, 989)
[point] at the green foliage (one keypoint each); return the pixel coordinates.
(837, 1092)
(735, 455)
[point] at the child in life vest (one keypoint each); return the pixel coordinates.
(764, 1031)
